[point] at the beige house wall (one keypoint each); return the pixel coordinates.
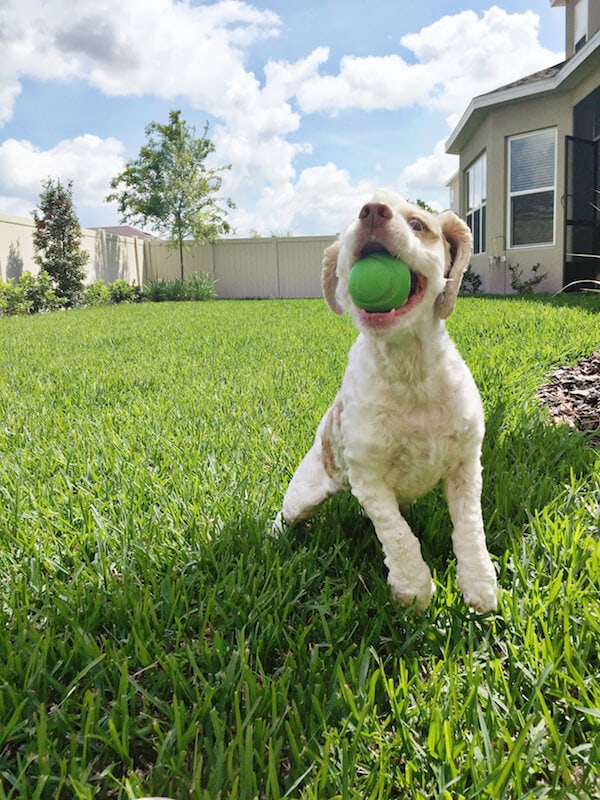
(593, 20)
(501, 123)
(594, 17)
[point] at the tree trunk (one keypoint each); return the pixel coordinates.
(181, 256)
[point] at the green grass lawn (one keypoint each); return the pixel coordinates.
(154, 640)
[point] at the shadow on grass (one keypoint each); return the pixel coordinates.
(587, 301)
(333, 569)
(528, 469)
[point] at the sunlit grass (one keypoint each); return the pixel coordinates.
(155, 641)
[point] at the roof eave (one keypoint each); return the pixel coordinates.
(483, 102)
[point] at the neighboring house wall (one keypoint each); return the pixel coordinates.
(270, 267)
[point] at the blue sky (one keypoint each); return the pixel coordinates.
(314, 103)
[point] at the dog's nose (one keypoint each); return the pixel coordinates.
(374, 214)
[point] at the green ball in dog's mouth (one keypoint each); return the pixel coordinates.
(379, 282)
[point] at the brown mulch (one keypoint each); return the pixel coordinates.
(573, 396)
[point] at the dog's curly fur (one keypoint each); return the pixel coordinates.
(408, 413)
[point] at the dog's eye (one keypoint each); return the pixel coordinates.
(416, 224)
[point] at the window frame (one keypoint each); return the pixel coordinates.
(475, 215)
(528, 192)
(580, 24)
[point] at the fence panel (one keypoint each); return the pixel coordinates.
(246, 268)
(299, 260)
(161, 260)
(289, 266)
(16, 247)
(111, 256)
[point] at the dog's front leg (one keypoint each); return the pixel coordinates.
(408, 575)
(475, 571)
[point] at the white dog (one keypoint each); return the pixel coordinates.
(408, 413)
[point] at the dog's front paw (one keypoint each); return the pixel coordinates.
(483, 597)
(415, 593)
(480, 591)
(477, 581)
(278, 526)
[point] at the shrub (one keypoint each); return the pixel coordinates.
(96, 294)
(200, 287)
(196, 287)
(525, 286)
(155, 291)
(471, 282)
(31, 293)
(122, 292)
(38, 292)
(11, 298)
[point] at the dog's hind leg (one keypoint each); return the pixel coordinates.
(310, 486)
(314, 481)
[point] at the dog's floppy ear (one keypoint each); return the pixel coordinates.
(329, 278)
(458, 235)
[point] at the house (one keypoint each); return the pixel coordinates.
(529, 167)
(124, 230)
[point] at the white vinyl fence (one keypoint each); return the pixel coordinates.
(242, 268)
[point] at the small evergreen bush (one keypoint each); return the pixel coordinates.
(57, 240)
(200, 287)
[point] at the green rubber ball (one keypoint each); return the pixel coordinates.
(379, 283)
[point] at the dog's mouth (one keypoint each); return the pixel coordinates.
(418, 286)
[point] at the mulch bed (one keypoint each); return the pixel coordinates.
(573, 396)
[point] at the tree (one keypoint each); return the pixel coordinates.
(57, 239)
(170, 188)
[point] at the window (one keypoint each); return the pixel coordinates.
(476, 178)
(531, 183)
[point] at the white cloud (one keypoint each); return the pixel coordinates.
(322, 201)
(457, 57)
(465, 55)
(90, 162)
(374, 82)
(168, 49)
(427, 177)
(197, 55)
(133, 47)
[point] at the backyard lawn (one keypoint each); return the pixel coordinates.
(154, 640)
